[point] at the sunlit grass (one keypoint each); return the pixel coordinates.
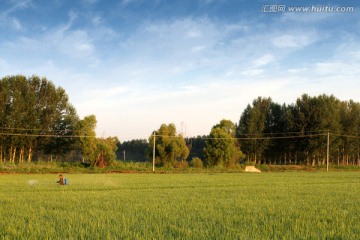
(187, 206)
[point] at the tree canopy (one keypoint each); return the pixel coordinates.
(37, 121)
(170, 147)
(30, 108)
(221, 146)
(297, 133)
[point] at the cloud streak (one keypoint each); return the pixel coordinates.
(191, 68)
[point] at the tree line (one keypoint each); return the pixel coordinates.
(271, 133)
(37, 122)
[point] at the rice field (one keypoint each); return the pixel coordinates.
(291, 205)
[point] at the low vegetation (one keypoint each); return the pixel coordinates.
(292, 205)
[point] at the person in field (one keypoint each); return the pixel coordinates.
(61, 180)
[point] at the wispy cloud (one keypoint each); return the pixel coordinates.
(6, 16)
(294, 40)
(193, 68)
(263, 60)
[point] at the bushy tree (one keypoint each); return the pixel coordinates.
(87, 136)
(196, 163)
(221, 147)
(170, 147)
(105, 152)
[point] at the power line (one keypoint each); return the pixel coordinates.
(254, 138)
(176, 136)
(348, 136)
(32, 129)
(45, 135)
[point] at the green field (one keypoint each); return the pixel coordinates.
(291, 205)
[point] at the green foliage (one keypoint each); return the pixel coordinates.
(105, 152)
(34, 106)
(86, 130)
(169, 146)
(309, 119)
(182, 206)
(196, 163)
(254, 121)
(221, 148)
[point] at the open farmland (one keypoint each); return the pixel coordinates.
(296, 205)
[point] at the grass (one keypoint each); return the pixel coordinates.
(289, 205)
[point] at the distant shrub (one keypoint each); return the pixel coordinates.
(181, 165)
(196, 163)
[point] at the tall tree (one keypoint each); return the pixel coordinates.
(34, 106)
(86, 132)
(253, 123)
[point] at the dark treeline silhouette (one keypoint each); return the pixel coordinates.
(134, 150)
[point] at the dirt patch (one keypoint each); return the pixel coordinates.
(251, 169)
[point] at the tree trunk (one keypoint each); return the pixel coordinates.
(307, 159)
(14, 155)
(29, 155)
(21, 157)
(10, 154)
(290, 162)
(313, 160)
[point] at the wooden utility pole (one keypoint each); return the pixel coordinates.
(327, 151)
(154, 154)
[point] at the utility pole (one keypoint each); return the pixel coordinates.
(154, 154)
(124, 155)
(327, 151)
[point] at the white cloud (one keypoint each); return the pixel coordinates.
(196, 70)
(96, 20)
(75, 44)
(194, 33)
(198, 48)
(293, 40)
(297, 70)
(16, 24)
(337, 68)
(252, 72)
(125, 2)
(306, 18)
(263, 60)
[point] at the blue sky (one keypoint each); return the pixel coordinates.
(136, 64)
